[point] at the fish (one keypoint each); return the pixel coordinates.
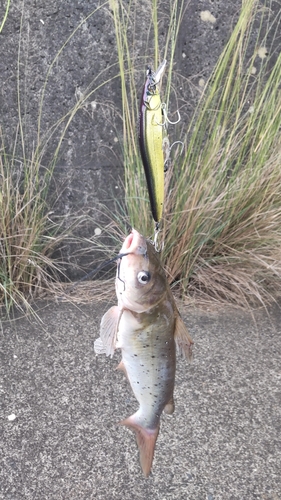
(153, 139)
(146, 325)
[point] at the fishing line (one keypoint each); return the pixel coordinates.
(118, 275)
(101, 266)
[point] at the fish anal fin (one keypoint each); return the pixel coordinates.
(183, 340)
(169, 408)
(146, 440)
(108, 329)
(122, 368)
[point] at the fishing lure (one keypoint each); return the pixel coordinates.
(153, 139)
(152, 131)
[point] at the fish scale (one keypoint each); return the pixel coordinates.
(149, 360)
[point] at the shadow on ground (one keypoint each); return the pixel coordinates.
(60, 406)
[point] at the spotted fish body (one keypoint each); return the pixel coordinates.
(147, 327)
(149, 360)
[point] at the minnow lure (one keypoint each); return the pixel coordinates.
(153, 139)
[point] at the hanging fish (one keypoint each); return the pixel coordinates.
(147, 327)
(152, 133)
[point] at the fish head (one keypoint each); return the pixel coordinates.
(141, 281)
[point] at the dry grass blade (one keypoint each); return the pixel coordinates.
(27, 234)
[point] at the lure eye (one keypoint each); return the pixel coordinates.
(144, 277)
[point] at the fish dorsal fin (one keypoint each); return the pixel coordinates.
(108, 330)
(183, 340)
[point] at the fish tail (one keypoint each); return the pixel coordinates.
(146, 439)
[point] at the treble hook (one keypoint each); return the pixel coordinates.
(166, 119)
(177, 142)
(167, 150)
(164, 106)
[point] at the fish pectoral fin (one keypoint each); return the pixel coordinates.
(108, 329)
(183, 340)
(146, 439)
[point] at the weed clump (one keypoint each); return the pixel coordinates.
(222, 219)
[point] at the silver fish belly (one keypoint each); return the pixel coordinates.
(149, 357)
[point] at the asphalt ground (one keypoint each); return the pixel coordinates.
(60, 405)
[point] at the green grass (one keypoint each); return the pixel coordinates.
(222, 219)
(6, 12)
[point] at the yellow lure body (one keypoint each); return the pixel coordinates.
(151, 134)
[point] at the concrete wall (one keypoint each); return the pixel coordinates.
(90, 163)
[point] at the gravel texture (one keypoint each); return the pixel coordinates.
(60, 406)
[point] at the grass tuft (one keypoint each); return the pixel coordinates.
(222, 217)
(222, 220)
(28, 235)
(29, 230)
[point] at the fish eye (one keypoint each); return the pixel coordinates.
(144, 277)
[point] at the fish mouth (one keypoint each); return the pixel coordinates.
(134, 243)
(128, 241)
